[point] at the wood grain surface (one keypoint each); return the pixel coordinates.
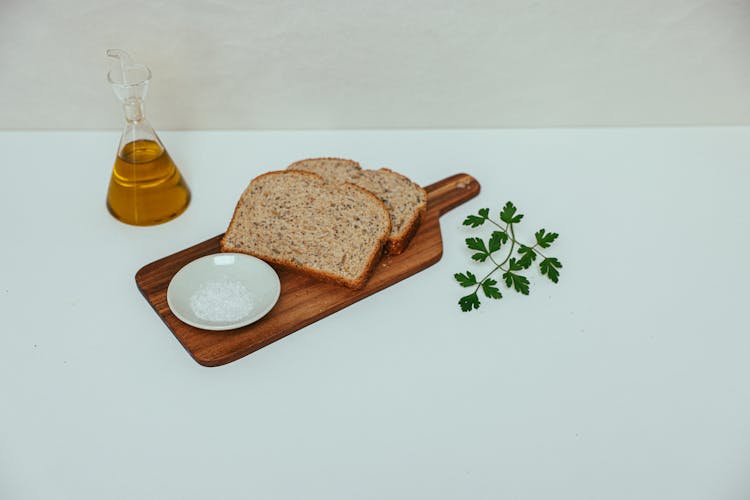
(303, 300)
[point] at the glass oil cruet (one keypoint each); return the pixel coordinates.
(146, 187)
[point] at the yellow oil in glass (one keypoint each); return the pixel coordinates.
(146, 187)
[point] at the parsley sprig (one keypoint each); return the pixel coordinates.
(511, 266)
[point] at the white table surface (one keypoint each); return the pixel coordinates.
(630, 379)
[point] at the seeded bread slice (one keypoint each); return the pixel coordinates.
(298, 220)
(405, 200)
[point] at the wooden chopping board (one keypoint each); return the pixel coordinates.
(303, 300)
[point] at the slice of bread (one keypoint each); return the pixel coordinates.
(298, 220)
(405, 200)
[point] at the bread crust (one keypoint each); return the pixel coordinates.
(398, 244)
(356, 283)
(293, 166)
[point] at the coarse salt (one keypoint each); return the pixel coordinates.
(221, 300)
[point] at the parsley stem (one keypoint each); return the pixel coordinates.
(537, 251)
(498, 225)
(507, 257)
(540, 254)
(486, 276)
(512, 243)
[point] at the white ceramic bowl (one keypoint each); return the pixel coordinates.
(223, 291)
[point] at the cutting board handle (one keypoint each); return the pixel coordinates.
(451, 192)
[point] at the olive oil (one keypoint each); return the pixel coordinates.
(146, 187)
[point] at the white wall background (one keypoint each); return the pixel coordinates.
(267, 64)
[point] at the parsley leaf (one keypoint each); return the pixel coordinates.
(497, 239)
(514, 265)
(490, 290)
(467, 279)
(469, 302)
(478, 245)
(476, 221)
(544, 239)
(508, 214)
(528, 256)
(518, 282)
(550, 266)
